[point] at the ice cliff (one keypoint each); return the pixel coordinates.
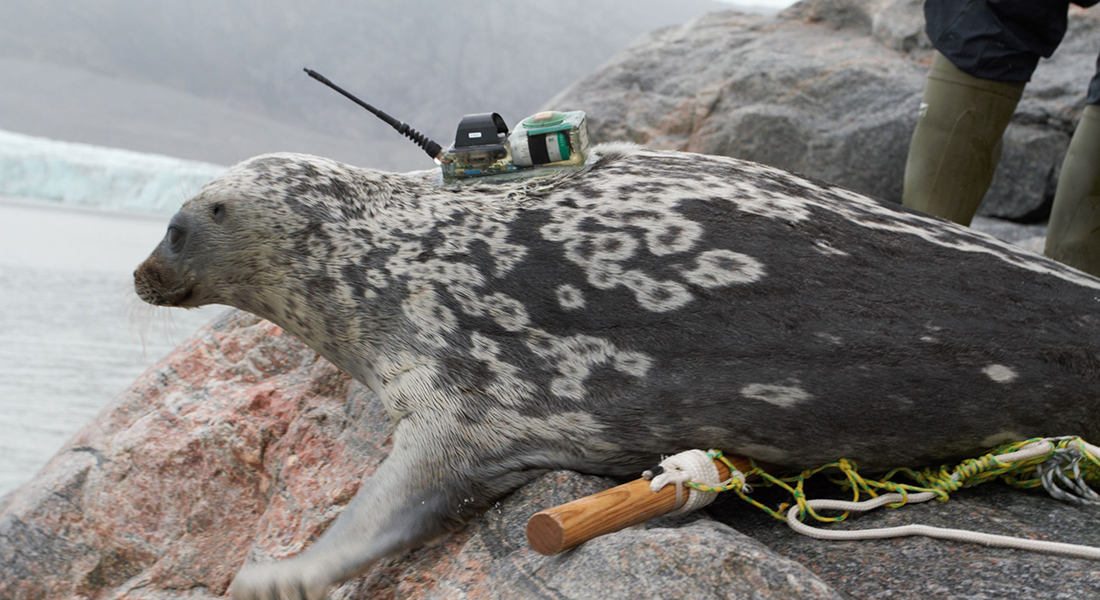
(80, 174)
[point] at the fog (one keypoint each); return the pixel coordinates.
(221, 81)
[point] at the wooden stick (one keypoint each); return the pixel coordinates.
(563, 527)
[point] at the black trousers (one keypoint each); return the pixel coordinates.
(1001, 40)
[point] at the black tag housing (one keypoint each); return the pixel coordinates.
(481, 131)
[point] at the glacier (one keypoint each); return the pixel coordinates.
(37, 168)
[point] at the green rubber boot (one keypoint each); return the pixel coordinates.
(1073, 236)
(957, 142)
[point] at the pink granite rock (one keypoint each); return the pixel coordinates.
(244, 445)
(241, 439)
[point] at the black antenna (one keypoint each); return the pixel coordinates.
(433, 149)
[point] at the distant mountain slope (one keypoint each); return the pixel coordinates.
(66, 103)
(158, 76)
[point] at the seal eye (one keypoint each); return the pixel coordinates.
(175, 238)
(219, 213)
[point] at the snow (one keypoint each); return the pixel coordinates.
(85, 175)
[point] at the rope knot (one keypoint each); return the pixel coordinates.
(690, 467)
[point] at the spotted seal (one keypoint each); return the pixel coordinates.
(649, 303)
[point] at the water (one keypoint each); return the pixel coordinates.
(73, 334)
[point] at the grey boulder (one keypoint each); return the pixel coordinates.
(827, 88)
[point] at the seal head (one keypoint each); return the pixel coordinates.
(227, 245)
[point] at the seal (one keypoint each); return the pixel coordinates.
(649, 303)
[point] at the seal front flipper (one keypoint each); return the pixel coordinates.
(417, 494)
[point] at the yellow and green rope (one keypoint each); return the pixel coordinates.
(1078, 472)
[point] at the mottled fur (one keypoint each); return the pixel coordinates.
(651, 303)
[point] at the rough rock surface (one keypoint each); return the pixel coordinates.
(243, 444)
(828, 88)
(933, 569)
(1032, 238)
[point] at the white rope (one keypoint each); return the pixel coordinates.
(695, 466)
(961, 535)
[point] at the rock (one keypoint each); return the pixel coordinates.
(692, 557)
(1027, 149)
(1013, 233)
(828, 88)
(240, 440)
(900, 26)
(934, 569)
(244, 444)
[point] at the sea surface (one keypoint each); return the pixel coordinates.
(73, 335)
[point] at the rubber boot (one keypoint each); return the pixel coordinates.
(1073, 236)
(957, 142)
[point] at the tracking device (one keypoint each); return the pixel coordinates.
(543, 143)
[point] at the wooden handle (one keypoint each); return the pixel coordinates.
(563, 527)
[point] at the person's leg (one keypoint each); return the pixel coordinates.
(985, 52)
(957, 143)
(1073, 236)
